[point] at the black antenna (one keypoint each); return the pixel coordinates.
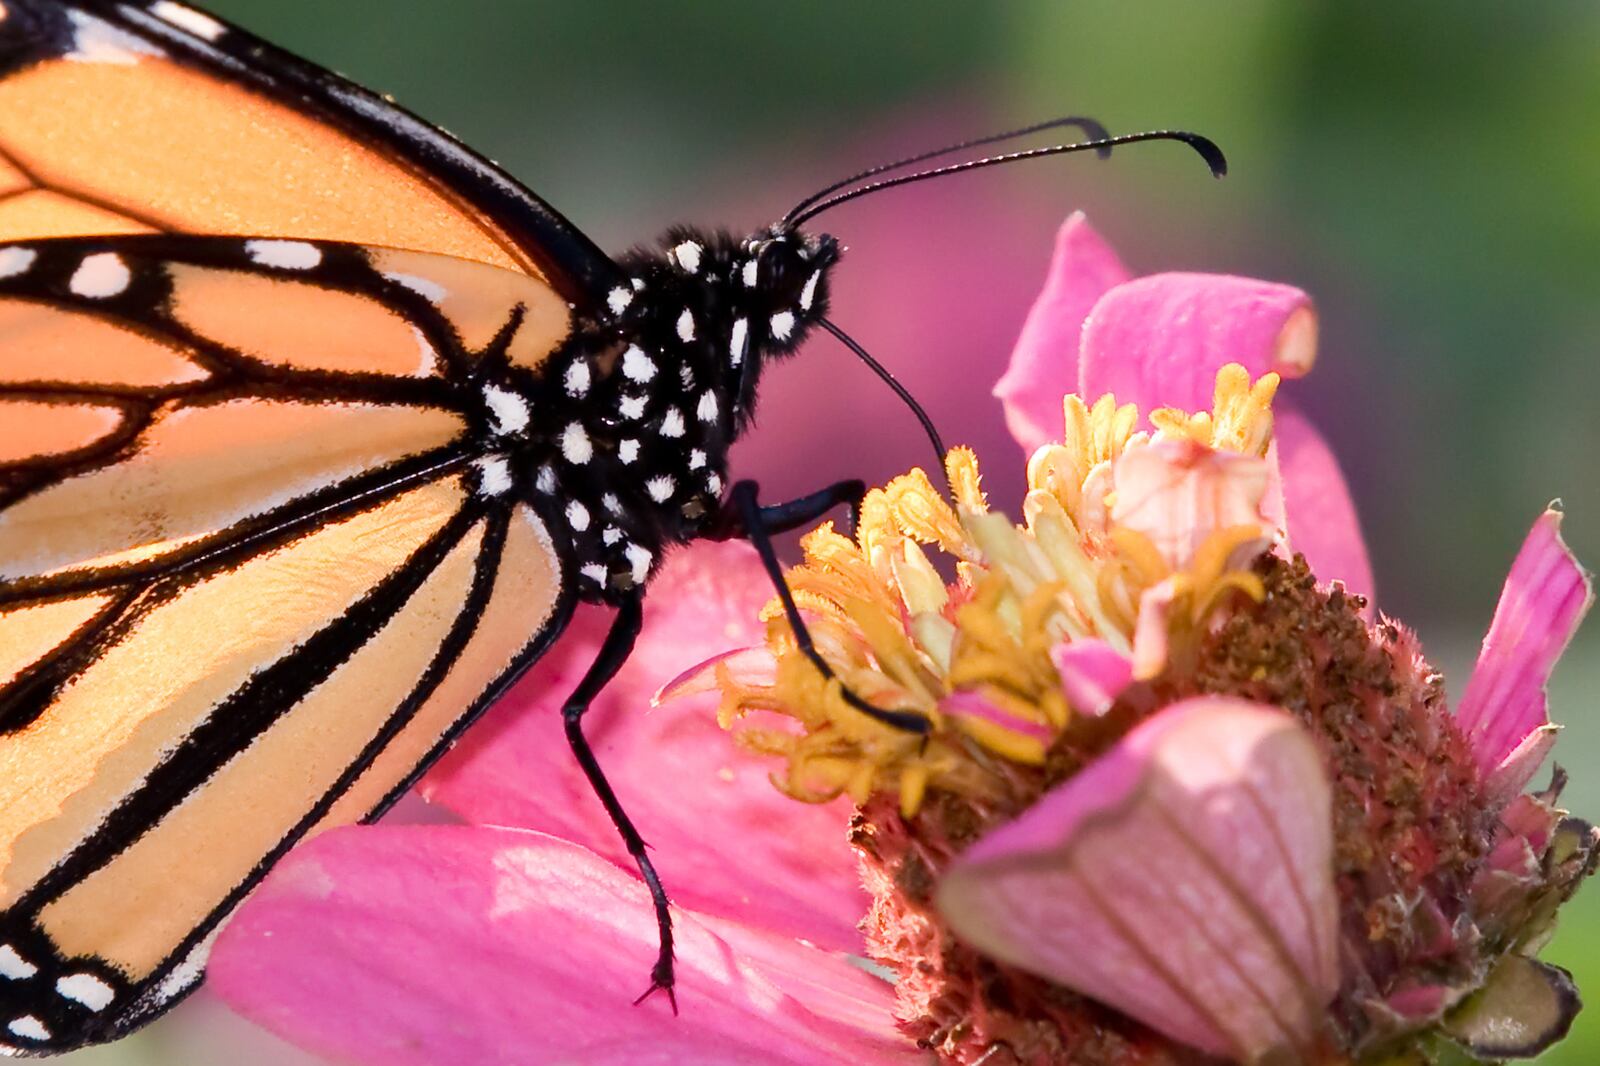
(1206, 148)
(1092, 130)
(894, 383)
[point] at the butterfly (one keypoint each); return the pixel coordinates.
(314, 428)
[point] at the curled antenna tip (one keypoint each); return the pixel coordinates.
(1209, 152)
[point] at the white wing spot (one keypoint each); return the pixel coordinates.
(636, 366)
(661, 488)
(508, 412)
(752, 272)
(641, 560)
(101, 276)
(618, 299)
(494, 475)
(430, 358)
(782, 325)
(739, 343)
(672, 423)
(577, 516)
(29, 1028)
(708, 407)
(575, 444)
(808, 295)
(96, 41)
(87, 989)
(14, 261)
(628, 451)
(577, 380)
(285, 255)
(187, 18)
(427, 288)
(14, 966)
(688, 256)
(686, 326)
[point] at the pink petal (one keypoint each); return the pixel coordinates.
(1044, 363)
(1159, 341)
(1150, 629)
(458, 944)
(1179, 492)
(755, 665)
(1093, 674)
(1544, 598)
(723, 838)
(1185, 878)
(1322, 520)
(968, 704)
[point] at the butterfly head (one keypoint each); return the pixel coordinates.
(787, 272)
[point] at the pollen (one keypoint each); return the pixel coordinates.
(940, 606)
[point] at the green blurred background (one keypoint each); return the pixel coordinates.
(1430, 172)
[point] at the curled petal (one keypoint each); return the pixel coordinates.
(1177, 493)
(706, 807)
(461, 944)
(754, 665)
(1321, 517)
(1185, 878)
(1150, 629)
(1093, 674)
(1044, 364)
(1159, 341)
(1504, 706)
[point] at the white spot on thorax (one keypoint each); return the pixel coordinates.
(29, 1028)
(661, 488)
(618, 299)
(687, 255)
(641, 560)
(686, 326)
(508, 412)
(637, 283)
(708, 407)
(87, 989)
(96, 41)
(672, 423)
(686, 376)
(697, 459)
(808, 294)
(782, 325)
(636, 366)
(739, 343)
(714, 484)
(612, 504)
(575, 444)
(494, 475)
(594, 572)
(425, 287)
(285, 255)
(752, 272)
(546, 480)
(631, 406)
(14, 261)
(610, 536)
(13, 965)
(577, 516)
(577, 380)
(628, 451)
(187, 18)
(100, 276)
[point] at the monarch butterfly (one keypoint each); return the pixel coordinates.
(314, 428)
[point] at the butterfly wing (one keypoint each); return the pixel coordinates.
(262, 554)
(138, 116)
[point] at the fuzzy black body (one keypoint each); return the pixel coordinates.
(640, 409)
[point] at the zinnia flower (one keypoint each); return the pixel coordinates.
(1185, 798)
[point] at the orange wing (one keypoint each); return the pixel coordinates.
(151, 116)
(263, 552)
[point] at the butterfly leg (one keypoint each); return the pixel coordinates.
(614, 652)
(748, 518)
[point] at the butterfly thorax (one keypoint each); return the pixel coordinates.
(651, 392)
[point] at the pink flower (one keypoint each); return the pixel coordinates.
(1205, 776)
